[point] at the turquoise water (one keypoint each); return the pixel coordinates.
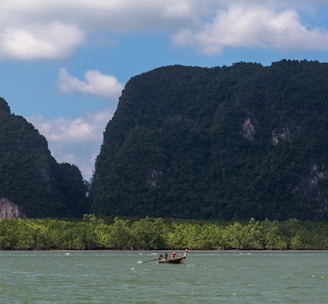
(206, 277)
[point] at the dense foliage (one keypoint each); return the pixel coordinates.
(160, 234)
(222, 143)
(30, 177)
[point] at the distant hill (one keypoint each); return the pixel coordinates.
(225, 142)
(32, 183)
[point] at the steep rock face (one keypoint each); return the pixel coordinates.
(30, 177)
(227, 142)
(9, 210)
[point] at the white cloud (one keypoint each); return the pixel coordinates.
(74, 140)
(55, 28)
(107, 15)
(47, 41)
(256, 26)
(89, 127)
(94, 83)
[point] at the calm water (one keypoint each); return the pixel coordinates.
(119, 277)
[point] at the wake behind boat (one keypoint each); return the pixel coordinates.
(173, 259)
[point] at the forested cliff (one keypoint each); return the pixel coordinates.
(188, 142)
(225, 142)
(32, 183)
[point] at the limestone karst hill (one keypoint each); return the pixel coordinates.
(32, 183)
(225, 142)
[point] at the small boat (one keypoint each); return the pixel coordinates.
(176, 260)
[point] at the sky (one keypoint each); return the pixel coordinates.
(64, 63)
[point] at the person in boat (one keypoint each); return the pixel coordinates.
(166, 256)
(160, 258)
(173, 255)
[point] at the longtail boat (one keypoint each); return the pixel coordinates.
(175, 260)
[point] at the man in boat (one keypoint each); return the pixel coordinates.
(173, 255)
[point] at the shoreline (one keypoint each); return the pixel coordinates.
(168, 250)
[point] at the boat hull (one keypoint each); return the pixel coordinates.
(172, 261)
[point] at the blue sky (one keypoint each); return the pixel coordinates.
(63, 64)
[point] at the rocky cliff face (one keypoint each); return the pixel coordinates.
(9, 210)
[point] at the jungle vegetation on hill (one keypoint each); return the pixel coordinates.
(222, 143)
(160, 234)
(31, 178)
(218, 143)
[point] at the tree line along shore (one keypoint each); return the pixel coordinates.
(117, 233)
